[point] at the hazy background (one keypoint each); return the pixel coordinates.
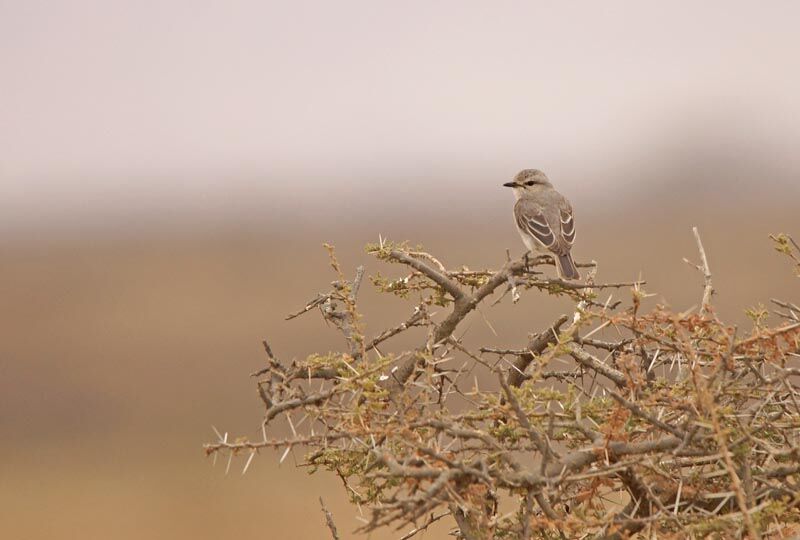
(168, 171)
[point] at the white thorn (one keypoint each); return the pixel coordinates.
(247, 465)
(285, 453)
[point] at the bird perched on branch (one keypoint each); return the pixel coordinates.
(544, 219)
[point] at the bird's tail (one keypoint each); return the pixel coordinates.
(566, 267)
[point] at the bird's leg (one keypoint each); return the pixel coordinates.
(527, 261)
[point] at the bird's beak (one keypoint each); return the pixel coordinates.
(510, 184)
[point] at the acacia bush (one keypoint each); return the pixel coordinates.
(613, 422)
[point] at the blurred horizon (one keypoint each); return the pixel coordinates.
(124, 114)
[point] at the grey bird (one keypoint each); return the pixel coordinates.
(544, 219)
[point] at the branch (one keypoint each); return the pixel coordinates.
(418, 315)
(572, 286)
(537, 345)
(329, 520)
(536, 437)
(434, 275)
(708, 288)
(641, 413)
(320, 299)
(466, 524)
(466, 304)
(595, 364)
(463, 306)
(578, 459)
(431, 520)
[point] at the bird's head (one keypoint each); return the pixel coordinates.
(528, 181)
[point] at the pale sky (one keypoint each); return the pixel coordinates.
(161, 105)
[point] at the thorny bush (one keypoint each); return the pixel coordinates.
(611, 423)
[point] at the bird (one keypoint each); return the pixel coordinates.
(544, 219)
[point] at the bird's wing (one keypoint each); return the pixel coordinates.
(553, 226)
(567, 223)
(531, 219)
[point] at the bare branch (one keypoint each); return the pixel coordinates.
(320, 299)
(329, 520)
(431, 520)
(536, 346)
(591, 362)
(708, 288)
(436, 276)
(419, 315)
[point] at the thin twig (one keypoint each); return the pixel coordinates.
(329, 520)
(708, 288)
(431, 520)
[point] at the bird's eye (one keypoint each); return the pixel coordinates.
(530, 183)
